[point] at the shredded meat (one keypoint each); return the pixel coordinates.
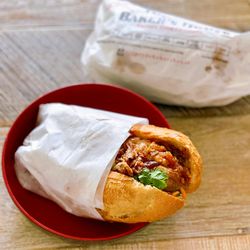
(123, 167)
(137, 154)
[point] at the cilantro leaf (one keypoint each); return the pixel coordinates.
(155, 177)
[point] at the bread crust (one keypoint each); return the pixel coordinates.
(129, 201)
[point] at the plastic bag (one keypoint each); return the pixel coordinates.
(167, 59)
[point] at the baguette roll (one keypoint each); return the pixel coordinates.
(152, 172)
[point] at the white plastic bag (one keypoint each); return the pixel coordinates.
(166, 58)
(68, 156)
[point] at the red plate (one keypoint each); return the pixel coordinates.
(45, 213)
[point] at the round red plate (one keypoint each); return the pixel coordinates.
(45, 213)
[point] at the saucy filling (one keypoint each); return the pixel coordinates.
(154, 164)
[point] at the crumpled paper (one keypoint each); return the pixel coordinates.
(68, 156)
(167, 59)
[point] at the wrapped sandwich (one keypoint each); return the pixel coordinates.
(168, 59)
(107, 166)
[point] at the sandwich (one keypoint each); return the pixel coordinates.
(153, 171)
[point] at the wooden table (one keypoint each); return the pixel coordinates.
(40, 46)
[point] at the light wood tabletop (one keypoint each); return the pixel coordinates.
(40, 47)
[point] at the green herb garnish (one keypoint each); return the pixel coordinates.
(155, 177)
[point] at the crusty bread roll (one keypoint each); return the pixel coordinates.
(129, 201)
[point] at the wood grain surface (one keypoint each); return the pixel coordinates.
(30, 14)
(40, 47)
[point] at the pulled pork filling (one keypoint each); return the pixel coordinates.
(136, 155)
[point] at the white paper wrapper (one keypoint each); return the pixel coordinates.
(166, 58)
(68, 156)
